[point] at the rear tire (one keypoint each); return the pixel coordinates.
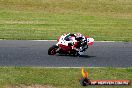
(52, 50)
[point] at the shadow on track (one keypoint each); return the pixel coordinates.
(86, 56)
(82, 56)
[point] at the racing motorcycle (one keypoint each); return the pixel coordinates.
(64, 47)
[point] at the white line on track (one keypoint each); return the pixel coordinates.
(68, 67)
(94, 41)
(56, 40)
(43, 40)
(74, 67)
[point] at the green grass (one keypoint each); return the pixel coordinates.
(59, 77)
(48, 19)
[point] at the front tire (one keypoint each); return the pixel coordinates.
(52, 50)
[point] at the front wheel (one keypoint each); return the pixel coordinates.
(52, 50)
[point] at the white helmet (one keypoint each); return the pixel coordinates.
(78, 35)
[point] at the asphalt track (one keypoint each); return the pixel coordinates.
(34, 53)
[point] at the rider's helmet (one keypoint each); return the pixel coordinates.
(78, 36)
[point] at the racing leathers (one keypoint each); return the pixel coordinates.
(77, 41)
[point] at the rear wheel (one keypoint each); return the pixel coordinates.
(52, 50)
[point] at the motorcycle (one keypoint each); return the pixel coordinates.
(65, 47)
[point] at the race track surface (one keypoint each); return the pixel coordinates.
(34, 53)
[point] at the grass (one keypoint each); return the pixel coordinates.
(48, 19)
(59, 77)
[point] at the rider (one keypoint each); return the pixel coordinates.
(76, 41)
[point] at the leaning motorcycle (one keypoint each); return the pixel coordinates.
(64, 47)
